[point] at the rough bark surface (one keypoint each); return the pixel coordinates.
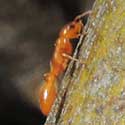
(94, 92)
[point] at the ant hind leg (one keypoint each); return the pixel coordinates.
(72, 58)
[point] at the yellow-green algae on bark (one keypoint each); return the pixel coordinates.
(96, 94)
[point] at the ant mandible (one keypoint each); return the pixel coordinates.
(61, 56)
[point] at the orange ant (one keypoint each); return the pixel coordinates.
(62, 55)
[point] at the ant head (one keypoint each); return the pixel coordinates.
(72, 30)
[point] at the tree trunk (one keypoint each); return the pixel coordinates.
(94, 92)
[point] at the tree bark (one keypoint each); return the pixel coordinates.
(94, 92)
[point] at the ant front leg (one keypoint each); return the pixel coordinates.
(84, 33)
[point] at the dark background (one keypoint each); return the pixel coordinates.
(28, 30)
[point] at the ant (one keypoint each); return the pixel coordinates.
(61, 56)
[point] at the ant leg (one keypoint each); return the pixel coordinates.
(83, 14)
(84, 33)
(71, 58)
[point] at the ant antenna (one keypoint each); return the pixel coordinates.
(82, 15)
